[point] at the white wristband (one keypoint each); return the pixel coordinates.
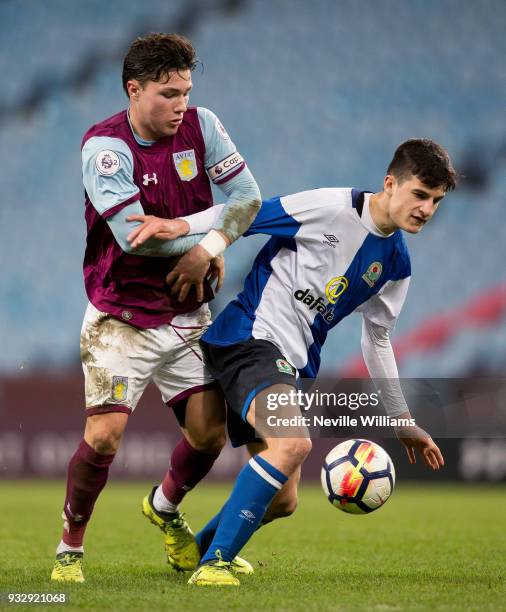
(213, 243)
(203, 221)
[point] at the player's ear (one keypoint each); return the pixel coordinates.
(388, 184)
(133, 88)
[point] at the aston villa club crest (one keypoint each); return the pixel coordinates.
(373, 273)
(119, 388)
(186, 164)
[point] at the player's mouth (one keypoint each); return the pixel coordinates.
(418, 220)
(176, 122)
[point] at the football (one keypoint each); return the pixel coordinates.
(358, 476)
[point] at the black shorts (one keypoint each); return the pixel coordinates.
(242, 371)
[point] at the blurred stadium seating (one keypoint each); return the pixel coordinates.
(314, 94)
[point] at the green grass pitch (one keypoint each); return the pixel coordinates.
(429, 548)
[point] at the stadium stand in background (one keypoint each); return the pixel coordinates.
(314, 94)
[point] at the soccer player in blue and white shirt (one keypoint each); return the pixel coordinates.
(332, 252)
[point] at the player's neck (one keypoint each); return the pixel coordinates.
(378, 209)
(140, 131)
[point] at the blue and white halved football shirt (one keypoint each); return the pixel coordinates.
(324, 261)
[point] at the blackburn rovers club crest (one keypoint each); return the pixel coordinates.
(186, 164)
(284, 367)
(119, 388)
(335, 287)
(373, 273)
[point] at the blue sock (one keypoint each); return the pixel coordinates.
(205, 536)
(254, 489)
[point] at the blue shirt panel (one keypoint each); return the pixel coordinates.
(393, 255)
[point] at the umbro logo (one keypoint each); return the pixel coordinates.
(248, 515)
(149, 179)
(330, 240)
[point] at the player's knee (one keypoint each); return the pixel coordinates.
(103, 431)
(105, 442)
(297, 449)
(210, 441)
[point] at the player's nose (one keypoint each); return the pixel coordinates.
(428, 208)
(182, 104)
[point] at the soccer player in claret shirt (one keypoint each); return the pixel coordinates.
(156, 158)
(332, 252)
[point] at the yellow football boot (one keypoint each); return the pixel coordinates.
(241, 566)
(180, 545)
(214, 573)
(68, 567)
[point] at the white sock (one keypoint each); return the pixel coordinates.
(161, 503)
(62, 547)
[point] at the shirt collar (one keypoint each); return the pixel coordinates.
(138, 139)
(368, 221)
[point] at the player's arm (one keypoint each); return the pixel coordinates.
(306, 214)
(379, 316)
(227, 169)
(280, 216)
(108, 180)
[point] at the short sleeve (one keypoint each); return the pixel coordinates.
(273, 220)
(108, 174)
(306, 214)
(222, 160)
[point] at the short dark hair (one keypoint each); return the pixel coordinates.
(155, 56)
(425, 159)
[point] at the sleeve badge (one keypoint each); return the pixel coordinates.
(107, 163)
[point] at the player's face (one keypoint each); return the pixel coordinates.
(412, 203)
(159, 106)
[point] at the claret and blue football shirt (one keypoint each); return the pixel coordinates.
(170, 177)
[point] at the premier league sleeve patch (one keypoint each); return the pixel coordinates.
(107, 163)
(186, 164)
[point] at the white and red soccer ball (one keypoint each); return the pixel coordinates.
(358, 476)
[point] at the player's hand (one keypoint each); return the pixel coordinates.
(190, 270)
(217, 272)
(414, 437)
(156, 227)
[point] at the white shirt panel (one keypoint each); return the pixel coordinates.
(304, 269)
